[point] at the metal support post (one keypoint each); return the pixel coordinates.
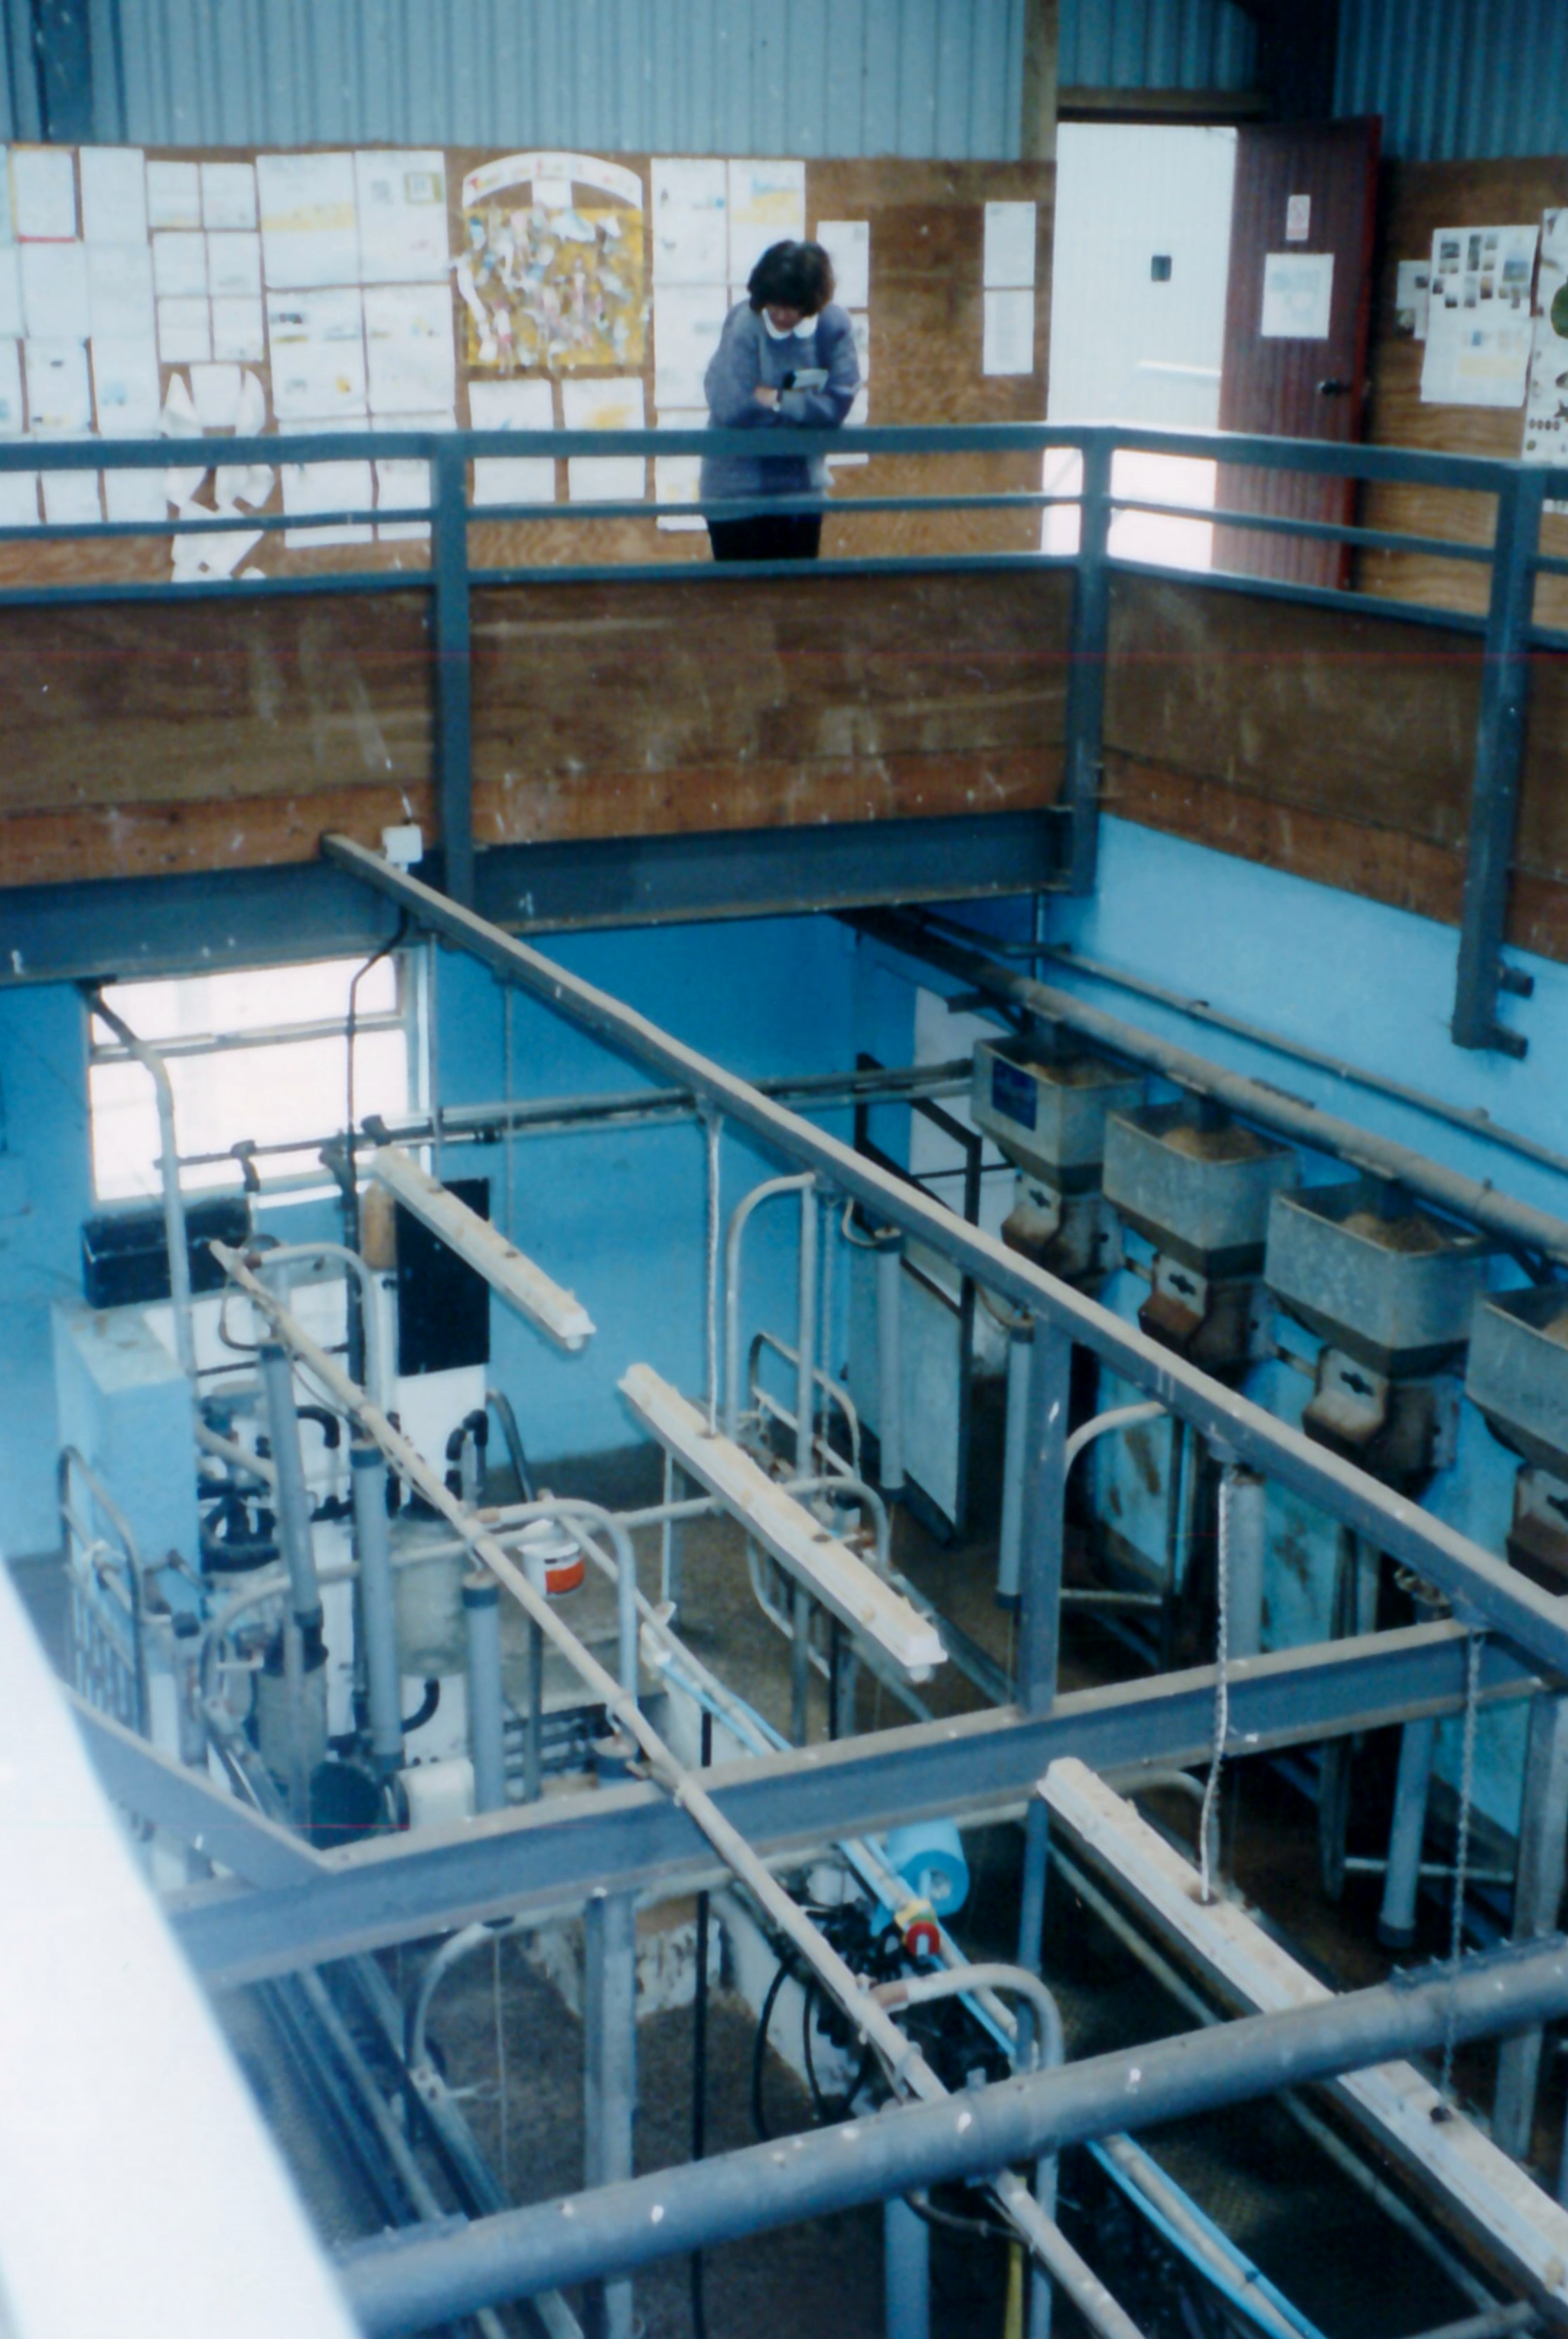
(534, 1732)
(1019, 1347)
(806, 1334)
(1406, 1833)
(1537, 1897)
(906, 2271)
(800, 1665)
(610, 2082)
(1247, 1496)
(1040, 1538)
(1499, 760)
(1086, 674)
(293, 1502)
(890, 1361)
(378, 1617)
(486, 1705)
(454, 680)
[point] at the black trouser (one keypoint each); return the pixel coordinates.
(770, 536)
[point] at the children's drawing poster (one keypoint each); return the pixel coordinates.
(552, 272)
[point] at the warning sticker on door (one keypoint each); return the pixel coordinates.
(1297, 218)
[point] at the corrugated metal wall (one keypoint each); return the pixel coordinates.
(1457, 79)
(1156, 44)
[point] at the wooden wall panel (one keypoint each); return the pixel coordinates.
(181, 839)
(624, 709)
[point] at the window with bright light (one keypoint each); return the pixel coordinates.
(263, 1056)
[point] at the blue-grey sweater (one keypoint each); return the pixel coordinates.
(748, 358)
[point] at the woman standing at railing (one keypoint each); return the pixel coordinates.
(787, 358)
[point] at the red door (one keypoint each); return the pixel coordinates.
(1298, 310)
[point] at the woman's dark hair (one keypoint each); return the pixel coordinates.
(792, 276)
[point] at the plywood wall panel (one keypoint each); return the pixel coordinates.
(185, 839)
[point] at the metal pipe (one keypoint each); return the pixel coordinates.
(610, 2072)
(1246, 1494)
(292, 1254)
(890, 1360)
(805, 1332)
(1019, 1348)
(407, 2286)
(486, 1705)
(906, 2271)
(1474, 1199)
(169, 1172)
(229, 1449)
(293, 1502)
(1120, 1417)
(378, 1616)
(739, 1218)
(1402, 1878)
(1145, 2177)
(965, 1981)
(455, 1947)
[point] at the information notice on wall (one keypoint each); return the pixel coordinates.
(1478, 326)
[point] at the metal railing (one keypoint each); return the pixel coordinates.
(1509, 632)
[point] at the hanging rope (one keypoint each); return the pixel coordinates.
(1206, 1815)
(1461, 1853)
(713, 1125)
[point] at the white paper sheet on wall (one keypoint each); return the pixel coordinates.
(1412, 286)
(70, 498)
(513, 405)
(59, 393)
(1010, 240)
(114, 194)
(11, 414)
(1297, 296)
(44, 193)
(1008, 345)
(179, 265)
(1478, 323)
(310, 231)
(134, 496)
(402, 206)
(120, 298)
(766, 204)
(1545, 438)
(18, 498)
(677, 478)
(605, 406)
(7, 226)
(228, 195)
(239, 332)
(847, 244)
(173, 195)
(403, 484)
(687, 322)
(688, 220)
(410, 345)
(215, 394)
(12, 323)
(345, 486)
(235, 265)
(55, 292)
(125, 387)
(184, 331)
(318, 352)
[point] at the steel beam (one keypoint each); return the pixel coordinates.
(1510, 1603)
(454, 676)
(547, 1858)
(411, 2284)
(610, 2075)
(1086, 676)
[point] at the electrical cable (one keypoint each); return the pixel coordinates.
(713, 1126)
(759, 2049)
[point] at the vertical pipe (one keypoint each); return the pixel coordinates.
(486, 1705)
(454, 711)
(1537, 1899)
(378, 1617)
(800, 1665)
(1248, 1499)
(293, 1502)
(669, 1539)
(890, 1360)
(174, 1236)
(1030, 2048)
(821, 1387)
(1086, 674)
(1406, 1833)
(610, 2050)
(806, 1334)
(1041, 1539)
(534, 1736)
(1019, 1347)
(906, 2278)
(294, 1688)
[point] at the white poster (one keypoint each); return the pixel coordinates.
(114, 194)
(309, 231)
(403, 484)
(1413, 285)
(179, 265)
(847, 244)
(70, 498)
(766, 205)
(337, 486)
(120, 291)
(1297, 296)
(11, 417)
(228, 196)
(1009, 236)
(235, 265)
(402, 207)
(184, 331)
(126, 385)
(410, 345)
(512, 406)
(687, 322)
(134, 496)
(7, 228)
(605, 406)
(44, 193)
(689, 221)
(59, 394)
(12, 323)
(677, 478)
(1545, 437)
(215, 394)
(18, 498)
(239, 332)
(1008, 334)
(1478, 328)
(173, 194)
(318, 351)
(55, 292)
